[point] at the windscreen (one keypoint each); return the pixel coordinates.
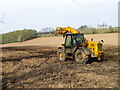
(79, 38)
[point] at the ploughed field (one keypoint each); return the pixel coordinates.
(28, 66)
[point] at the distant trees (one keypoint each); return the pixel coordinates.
(48, 30)
(101, 28)
(18, 36)
(111, 29)
(103, 25)
(83, 27)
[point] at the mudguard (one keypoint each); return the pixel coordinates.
(60, 47)
(86, 50)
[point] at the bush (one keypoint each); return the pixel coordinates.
(18, 36)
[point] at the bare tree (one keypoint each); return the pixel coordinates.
(48, 29)
(2, 18)
(103, 25)
(98, 26)
(1, 21)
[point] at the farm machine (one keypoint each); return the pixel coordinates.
(77, 47)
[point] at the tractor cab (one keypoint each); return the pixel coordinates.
(73, 41)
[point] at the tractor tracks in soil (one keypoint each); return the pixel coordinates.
(37, 67)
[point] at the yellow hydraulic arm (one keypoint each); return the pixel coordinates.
(64, 30)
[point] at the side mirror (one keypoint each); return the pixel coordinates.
(63, 44)
(101, 41)
(63, 36)
(91, 39)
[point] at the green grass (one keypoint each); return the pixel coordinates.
(18, 36)
(28, 34)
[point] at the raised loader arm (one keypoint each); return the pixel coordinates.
(64, 30)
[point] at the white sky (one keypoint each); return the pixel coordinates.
(38, 14)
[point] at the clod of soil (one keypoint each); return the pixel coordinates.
(38, 67)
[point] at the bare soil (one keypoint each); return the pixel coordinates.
(38, 67)
(33, 64)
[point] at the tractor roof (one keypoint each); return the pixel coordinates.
(75, 34)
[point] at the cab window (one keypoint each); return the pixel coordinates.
(68, 41)
(79, 39)
(74, 41)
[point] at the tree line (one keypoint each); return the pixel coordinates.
(18, 36)
(27, 34)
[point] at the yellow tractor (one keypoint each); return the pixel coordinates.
(77, 47)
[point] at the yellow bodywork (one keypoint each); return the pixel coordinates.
(95, 48)
(64, 30)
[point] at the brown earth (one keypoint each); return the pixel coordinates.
(109, 39)
(30, 66)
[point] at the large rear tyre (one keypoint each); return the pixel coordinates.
(102, 58)
(81, 56)
(61, 55)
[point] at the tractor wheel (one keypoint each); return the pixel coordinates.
(81, 56)
(61, 55)
(102, 58)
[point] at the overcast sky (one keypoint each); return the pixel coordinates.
(38, 14)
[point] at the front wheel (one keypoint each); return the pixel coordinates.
(81, 56)
(61, 55)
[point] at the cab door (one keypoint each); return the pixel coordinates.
(70, 43)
